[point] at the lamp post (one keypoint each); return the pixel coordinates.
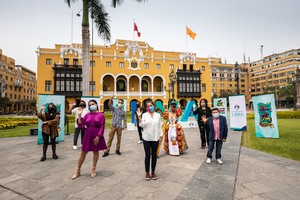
(297, 86)
(173, 79)
(294, 92)
(236, 72)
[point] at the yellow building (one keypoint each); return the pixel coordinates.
(131, 70)
(18, 84)
(274, 74)
(223, 79)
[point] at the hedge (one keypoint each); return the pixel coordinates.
(282, 115)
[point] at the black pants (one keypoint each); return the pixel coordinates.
(203, 135)
(46, 143)
(76, 135)
(219, 144)
(150, 148)
(140, 132)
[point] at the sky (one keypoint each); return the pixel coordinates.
(225, 28)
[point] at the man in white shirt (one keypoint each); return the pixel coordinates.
(74, 111)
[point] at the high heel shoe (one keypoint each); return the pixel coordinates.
(93, 173)
(77, 174)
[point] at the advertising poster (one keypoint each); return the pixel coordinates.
(221, 104)
(237, 109)
(59, 101)
(265, 116)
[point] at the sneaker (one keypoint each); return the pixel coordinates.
(208, 161)
(54, 156)
(74, 147)
(105, 154)
(219, 161)
(118, 152)
(140, 141)
(148, 177)
(154, 177)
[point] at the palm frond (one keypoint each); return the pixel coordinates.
(115, 3)
(101, 19)
(69, 2)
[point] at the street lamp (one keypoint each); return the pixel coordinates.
(294, 88)
(236, 72)
(173, 79)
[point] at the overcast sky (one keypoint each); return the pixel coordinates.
(225, 28)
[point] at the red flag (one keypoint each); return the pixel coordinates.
(135, 28)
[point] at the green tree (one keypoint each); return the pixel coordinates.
(4, 102)
(101, 19)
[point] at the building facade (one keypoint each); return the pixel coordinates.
(131, 70)
(276, 74)
(224, 79)
(18, 84)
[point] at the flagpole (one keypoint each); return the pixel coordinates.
(186, 40)
(133, 30)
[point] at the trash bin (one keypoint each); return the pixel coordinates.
(33, 131)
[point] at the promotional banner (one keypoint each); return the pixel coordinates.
(59, 101)
(221, 104)
(237, 109)
(265, 116)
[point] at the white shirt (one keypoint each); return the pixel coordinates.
(151, 126)
(75, 112)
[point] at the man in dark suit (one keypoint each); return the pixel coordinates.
(218, 129)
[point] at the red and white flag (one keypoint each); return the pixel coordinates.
(135, 28)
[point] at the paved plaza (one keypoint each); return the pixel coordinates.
(245, 174)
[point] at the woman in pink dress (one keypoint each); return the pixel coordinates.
(93, 140)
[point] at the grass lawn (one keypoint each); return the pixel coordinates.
(287, 145)
(25, 130)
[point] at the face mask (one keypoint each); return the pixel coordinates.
(93, 107)
(150, 109)
(120, 105)
(51, 110)
(203, 104)
(138, 105)
(82, 105)
(173, 109)
(216, 115)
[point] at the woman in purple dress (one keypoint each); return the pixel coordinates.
(93, 140)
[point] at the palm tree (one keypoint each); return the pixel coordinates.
(100, 17)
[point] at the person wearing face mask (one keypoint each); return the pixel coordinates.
(218, 129)
(174, 142)
(203, 112)
(117, 125)
(74, 111)
(150, 121)
(141, 109)
(50, 125)
(93, 140)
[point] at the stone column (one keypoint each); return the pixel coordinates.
(298, 88)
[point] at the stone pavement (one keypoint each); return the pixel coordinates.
(23, 176)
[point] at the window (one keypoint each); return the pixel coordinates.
(92, 63)
(108, 64)
(203, 68)
(203, 88)
(146, 65)
(66, 62)
(121, 64)
(191, 67)
(184, 67)
(47, 85)
(48, 61)
(214, 85)
(92, 86)
(75, 62)
(157, 66)
(171, 66)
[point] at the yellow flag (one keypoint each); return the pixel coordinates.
(190, 33)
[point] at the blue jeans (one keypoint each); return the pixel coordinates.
(211, 145)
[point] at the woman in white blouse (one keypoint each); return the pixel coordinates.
(151, 124)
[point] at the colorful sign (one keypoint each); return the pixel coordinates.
(237, 107)
(59, 102)
(221, 104)
(265, 116)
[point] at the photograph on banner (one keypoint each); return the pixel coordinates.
(265, 116)
(237, 111)
(59, 102)
(86, 99)
(221, 104)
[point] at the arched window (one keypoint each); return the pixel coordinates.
(121, 85)
(144, 86)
